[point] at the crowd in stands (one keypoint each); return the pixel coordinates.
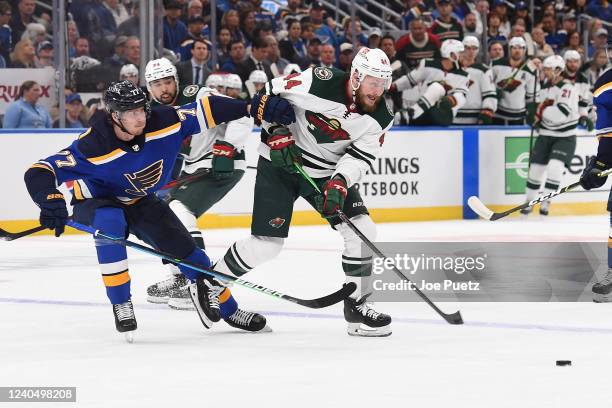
(103, 36)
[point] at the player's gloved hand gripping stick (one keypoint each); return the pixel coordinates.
(453, 318)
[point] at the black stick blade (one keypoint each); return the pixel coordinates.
(9, 236)
(330, 299)
(454, 318)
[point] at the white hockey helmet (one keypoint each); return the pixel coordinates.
(517, 42)
(292, 69)
(451, 46)
(572, 55)
(233, 81)
(215, 81)
(555, 62)
(158, 69)
(373, 62)
(128, 70)
(258, 77)
(470, 41)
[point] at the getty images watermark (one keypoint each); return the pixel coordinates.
(485, 271)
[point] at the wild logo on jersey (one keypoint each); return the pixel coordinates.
(325, 130)
(144, 179)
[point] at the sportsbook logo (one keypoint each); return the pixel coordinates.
(325, 130)
(145, 179)
(516, 164)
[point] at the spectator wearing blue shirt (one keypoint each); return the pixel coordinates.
(6, 38)
(600, 41)
(601, 9)
(321, 30)
(25, 112)
(237, 54)
(175, 31)
(74, 109)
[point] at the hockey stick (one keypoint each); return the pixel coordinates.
(453, 318)
(318, 303)
(535, 88)
(9, 236)
(479, 208)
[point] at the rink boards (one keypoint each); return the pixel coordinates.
(422, 174)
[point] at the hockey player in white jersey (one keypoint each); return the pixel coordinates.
(341, 119)
(556, 118)
(515, 78)
(481, 100)
(214, 163)
(585, 96)
(443, 87)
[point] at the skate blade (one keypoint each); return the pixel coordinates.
(266, 329)
(129, 336)
(599, 298)
(180, 305)
(203, 318)
(157, 299)
(361, 330)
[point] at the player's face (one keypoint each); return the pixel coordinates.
(232, 92)
(470, 53)
(259, 85)
(134, 121)
(549, 74)
(517, 53)
(164, 90)
(572, 65)
(370, 93)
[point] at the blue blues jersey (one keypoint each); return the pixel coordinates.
(102, 166)
(602, 99)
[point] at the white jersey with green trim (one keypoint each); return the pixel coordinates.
(561, 118)
(481, 94)
(513, 102)
(333, 138)
(235, 132)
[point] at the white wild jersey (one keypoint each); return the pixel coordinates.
(513, 102)
(235, 132)
(585, 96)
(332, 138)
(430, 70)
(561, 118)
(481, 94)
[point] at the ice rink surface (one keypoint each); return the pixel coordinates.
(57, 329)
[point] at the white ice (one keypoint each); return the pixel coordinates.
(56, 329)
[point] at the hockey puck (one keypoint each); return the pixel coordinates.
(563, 363)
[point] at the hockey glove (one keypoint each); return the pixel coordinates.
(485, 117)
(283, 151)
(272, 109)
(587, 123)
(334, 194)
(53, 211)
(223, 159)
(590, 175)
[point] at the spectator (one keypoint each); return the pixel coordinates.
(95, 22)
(237, 55)
(345, 56)
(549, 26)
(328, 56)
(36, 33)
(347, 26)
(542, 49)
(493, 33)
(73, 36)
(574, 42)
(132, 50)
(569, 26)
(293, 11)
(81, 47)
(23, 56)
(500, 7)
(321, 30)
(256, 61)
(118, 58)
(129, 72)
(293, 48)
(600, 9)
(6, 39)
(25, 112)
(417, 44)
(231, 21)
(24, 16)
(247, 26)
(195, 71)
(277, 63)
(195, 29)
(496, 50)
(74, 110)
(374, 36)
(313, 52)
(446, 26)
(174, 29)
(522, 11)
(223, 45)
(411, 10)
(470, 26)
(117, 10)
(262, 15)
(194, 9)
(482, 9)
(131, 26)
(596, 67)
(600, 41)
(44, 55)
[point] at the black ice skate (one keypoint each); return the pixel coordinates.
(365, 321)
(602, 289)
(544, 206)
(125, 320)
(204, 294)
(249, 321)
(526, 211)
(179, 299)
(160, 292)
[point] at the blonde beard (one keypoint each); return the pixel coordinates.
(367, 108)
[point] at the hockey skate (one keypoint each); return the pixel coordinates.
(526, 211)
(204, 293)
(179, 299)
(602, 290)
(363, 320)
(160, 292)
(248, 321)
(544, 206)
(125, 320)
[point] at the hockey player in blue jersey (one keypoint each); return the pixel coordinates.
(602, 100)
(117, 165)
